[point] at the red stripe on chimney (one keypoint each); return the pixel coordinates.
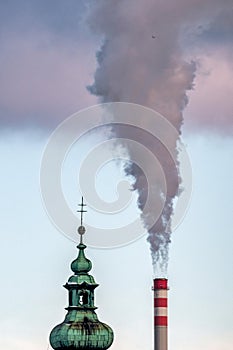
(160, 321)
(160, 283)
(160, 302)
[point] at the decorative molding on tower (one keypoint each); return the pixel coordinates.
(81, 328)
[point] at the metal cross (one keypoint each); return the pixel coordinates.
(82, 210)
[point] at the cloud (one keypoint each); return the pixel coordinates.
(42, 80)
(47, 54)
(211, 104)
(54, 16)
(46, 61)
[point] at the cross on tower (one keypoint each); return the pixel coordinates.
(82, 205)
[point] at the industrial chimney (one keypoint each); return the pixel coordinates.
(160, 313)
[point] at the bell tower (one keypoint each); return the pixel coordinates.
(81, 328)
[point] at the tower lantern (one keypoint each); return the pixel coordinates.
(81, 328)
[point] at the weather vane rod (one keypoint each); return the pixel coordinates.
(82, 205)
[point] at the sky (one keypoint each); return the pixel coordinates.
(47, 60)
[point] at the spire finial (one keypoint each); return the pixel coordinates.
(81, 229)
(82, 210)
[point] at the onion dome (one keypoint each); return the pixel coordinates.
(81, 264)
(81, 328)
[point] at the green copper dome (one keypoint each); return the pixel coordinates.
(81, 264)
(81, 328)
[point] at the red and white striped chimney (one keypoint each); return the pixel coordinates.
(160, 313)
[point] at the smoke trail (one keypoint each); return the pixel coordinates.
(141, 61)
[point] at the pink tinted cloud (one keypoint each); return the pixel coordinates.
(211, 104)
(42, 80)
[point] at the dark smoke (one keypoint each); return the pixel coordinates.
(142, 61)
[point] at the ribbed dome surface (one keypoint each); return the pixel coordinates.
(81, 335)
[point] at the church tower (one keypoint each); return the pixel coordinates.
(81, 329)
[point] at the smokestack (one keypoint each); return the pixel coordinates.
(160, 313)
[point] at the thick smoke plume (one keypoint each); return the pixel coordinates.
(142, 61)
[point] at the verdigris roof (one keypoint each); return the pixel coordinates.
(81, 328)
